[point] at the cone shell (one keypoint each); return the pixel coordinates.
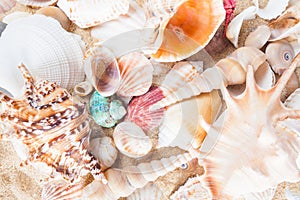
(192, 190)
(181, 124)
(37, 3)
(88, 13)
(136, 75)
(102, 70)
(189, 29)
(51, 53)
(139, 110)
(6, 5)
(104, 150)
(149, 191)
(131, 140)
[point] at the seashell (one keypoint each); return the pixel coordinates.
(122, 183)
(106, 111)
(149, 191)
(291, 193)
(37, 3)
(264, 76)
(192, 190)
(185, 32)
(88, 13)
(15, 16)
(234, 27)
(136, 75)
(57, 54)
(131, 140)
(2, 27)
(56, 13)
(259, 152)
(83, 88)
(272, 10)
(267, 194)
(291, 85)
(293, 100)
(6, 5)
(104, 150)
(280, 55)
(180, 126)
(138, 110)
(102, 70)
(52, 126)
(259, 37)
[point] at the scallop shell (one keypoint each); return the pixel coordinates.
(181, 124)
(6, 5)
(138, 110)
(150, 191)
(136, 75)
(131, 140)
(37, 3)
(88, 13)
(267, 194)
(102, 70)
(280, 55)
(192, 190)
(259, 37)
(185, 32)
(50, 52)
(104, 150)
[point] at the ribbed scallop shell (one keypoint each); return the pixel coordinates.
(138, 110)
(136, 75)
(150, 191)
(104, 150)
(49, 51)
(131, 140)
(192, 190)
(6, 5)
(37, 3)
(88, 13)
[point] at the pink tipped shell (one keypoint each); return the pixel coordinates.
(37, 3)
(6, 5)
(139, 110)
(136, 75)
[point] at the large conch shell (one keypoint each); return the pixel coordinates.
(257, 151)
(37, 3)
(49, 51)
(188, 27)
(88, 13)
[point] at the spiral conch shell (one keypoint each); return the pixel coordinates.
(261, 150)
(52, 127)
(50, 52)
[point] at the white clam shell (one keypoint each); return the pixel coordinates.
(37, 3)
(150, 191)
(45, 47)
(272, 10)
(131, 140)
(6, 5)
(104, 150)
(88, 13)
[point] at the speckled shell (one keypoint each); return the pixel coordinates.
(49, 51)
(150, 191)
(37, 3)
(6, 5)
(131, 140)
(106, 111)
(192, 190)
(104, 150)
(88, 13)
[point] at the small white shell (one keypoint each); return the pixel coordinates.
(192, 190)
(131, 140)
(6, 5)
(88, 13)
(50, 52)
(264, 76)
(273, 9)
(104, 150)
(37, 3)
(259, 37)
(83, 88)
(149, 192)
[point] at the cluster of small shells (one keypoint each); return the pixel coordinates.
(133, 117)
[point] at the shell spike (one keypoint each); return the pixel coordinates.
(285, 78)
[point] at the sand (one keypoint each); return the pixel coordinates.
(19, 183)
